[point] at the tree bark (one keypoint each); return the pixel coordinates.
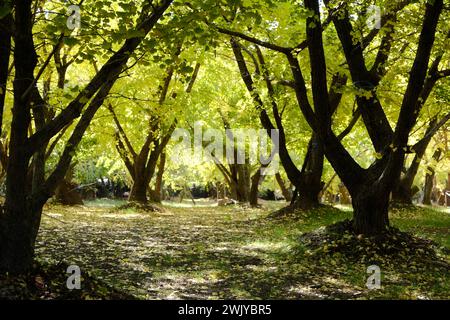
(138, 191)
(312, 185)
(370, 210)
(256, 180)
(156, 195)
(17, 223)
(286, 193)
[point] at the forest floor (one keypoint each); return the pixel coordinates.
(210, 252)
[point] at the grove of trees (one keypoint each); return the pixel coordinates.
(358, 98)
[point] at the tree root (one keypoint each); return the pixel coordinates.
(297, 211)
(49, 282)
(146, 207)
(391, 247)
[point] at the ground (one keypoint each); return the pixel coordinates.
(210, 252)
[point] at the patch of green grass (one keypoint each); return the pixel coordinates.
(427, 222)
(105, 203)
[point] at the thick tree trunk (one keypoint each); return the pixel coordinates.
(344, 195)
(233, 190)
(5, 52)
(309, 185)
(243, 183)
(138, 191)
(312, 172)
(370, 210)
(17, 223)
(18, 237)
(402, 194)
(306, 200)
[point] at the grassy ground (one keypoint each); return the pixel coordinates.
(207, 252)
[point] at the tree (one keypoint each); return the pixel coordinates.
(20, 220)
(308, 180)
(142, 165)
(404, 190)
(243, 185)
(370, 188)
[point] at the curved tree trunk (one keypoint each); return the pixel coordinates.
(256, 180)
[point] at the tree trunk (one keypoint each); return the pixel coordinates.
(257, 178)
(370, 210)
(404, 190)
(286, 193)
(243, 183)
(66, 193)
(138, 191)
(17, 223)
(402, 194)
(5, 52)
(312, 172)
(310, 184)
(428, 189)
(18, 238)
(156, 196)
(429, 179)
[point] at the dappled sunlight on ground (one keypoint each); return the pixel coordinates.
(192, 252)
